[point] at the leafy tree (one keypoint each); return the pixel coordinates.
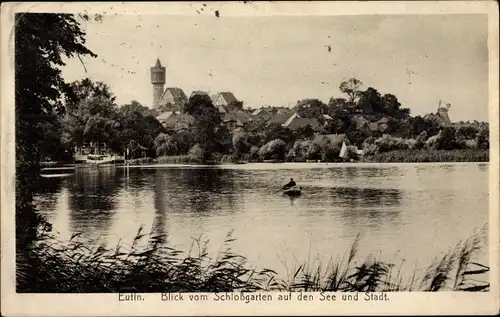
(303, 132)
(41, 41)
(337, 103)
(164, 145)
(483, 138)
(370, 101)
(91, 116)
(138, 125)
(311, 108)
(207, 123)
(277, 131)
(222, 140)
(351, 88)
(135, 106)
(274, 149)
(446, 140)
(240, 143)
(392, 107)
(185, 140)
(338, 125)
(466, 132)
(87, 89)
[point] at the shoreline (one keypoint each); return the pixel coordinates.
(406, 157)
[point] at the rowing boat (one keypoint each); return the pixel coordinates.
(292, 191)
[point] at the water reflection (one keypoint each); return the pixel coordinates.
(160, 207)
(46, 189)
(92, 199)
(390, 205)
(355, 197)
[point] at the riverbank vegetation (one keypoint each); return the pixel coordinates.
(425, 156)
(148, 265)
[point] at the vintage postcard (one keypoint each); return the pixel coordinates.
(249, 158)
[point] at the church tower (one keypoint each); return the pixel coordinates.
(158, 81)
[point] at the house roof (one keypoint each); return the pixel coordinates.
(178, 120)
(239, 115)
(279, 118)
(258, 111)
(227, 96)
(296, 122)
(177, 93)
(291, 119)
(158, 64)
(199, 93)
(164, 116)
(221, 109)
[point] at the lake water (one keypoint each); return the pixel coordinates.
(402, 211)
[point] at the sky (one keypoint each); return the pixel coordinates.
(277, 60)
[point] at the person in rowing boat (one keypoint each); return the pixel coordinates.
(290, 184)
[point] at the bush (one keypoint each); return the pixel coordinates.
(240, 143)
(421, 139)
(217, 157)
(389, 143)
(184, 140)
(254, 153)
(196, 154)
(274, 150)
(303, 150)
(483, 138)
(432, 142)
(466, 132)
(446, 139)
(165, 145)
(330, 154)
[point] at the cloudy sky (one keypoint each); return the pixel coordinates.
(278, 60)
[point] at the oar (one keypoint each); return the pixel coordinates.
(277, 191)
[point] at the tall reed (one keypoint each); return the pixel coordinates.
(149, 265)
(425, 155)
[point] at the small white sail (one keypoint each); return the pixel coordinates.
(343, 151)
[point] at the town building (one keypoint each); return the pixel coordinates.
(296, 122)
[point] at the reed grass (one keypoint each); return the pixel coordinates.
(426, 155)
(176, 159)
(148, 265)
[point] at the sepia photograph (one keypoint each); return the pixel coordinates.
(250, 158)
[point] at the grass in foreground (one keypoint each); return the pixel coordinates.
(52, 266)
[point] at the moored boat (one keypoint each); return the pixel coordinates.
(100, 159)
(292, 191)
(56, 175)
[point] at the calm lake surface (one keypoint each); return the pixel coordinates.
(402, 211)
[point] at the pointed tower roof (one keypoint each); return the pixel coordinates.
(158, 64)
